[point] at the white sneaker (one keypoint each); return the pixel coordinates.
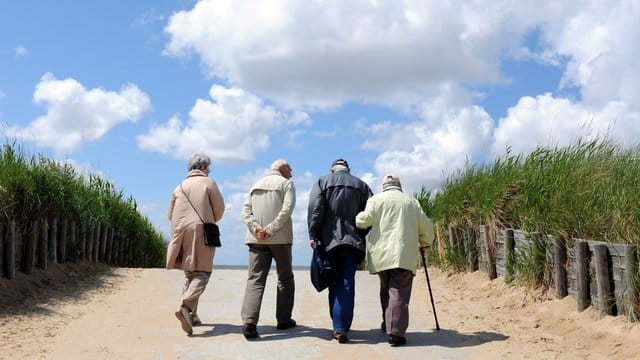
(185, 320)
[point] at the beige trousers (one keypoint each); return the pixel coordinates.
(194, 285)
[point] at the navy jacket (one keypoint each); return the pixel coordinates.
(334, 202)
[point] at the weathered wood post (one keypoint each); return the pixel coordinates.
(62, 245)
(103, 243)
(471, 250)
(110, 246)
(2, 242)
(509, 254)
(43, 244)
(10, 251)
(603, 280)
(82, 243)
(581, 249)
(73, 241)
(91, 228)
(490, 236)
(453, 241)
(440, 242)
(96, 241)
(53, 240)
(631, 293)
(559, 266)
(30, 247)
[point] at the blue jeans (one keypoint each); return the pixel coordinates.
(342, 288)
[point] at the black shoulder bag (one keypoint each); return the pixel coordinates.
(211, 230)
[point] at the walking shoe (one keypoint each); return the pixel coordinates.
(185, 320)
(397, 340)
(250, 331)
(341, 337)
(286, 325)
(195, 320)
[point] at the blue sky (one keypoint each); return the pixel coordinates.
(129, 90)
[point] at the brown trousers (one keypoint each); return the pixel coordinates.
(395, 292)
(260, 257)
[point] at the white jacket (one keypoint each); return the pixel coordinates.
(270, 204)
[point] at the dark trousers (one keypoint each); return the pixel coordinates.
(395, 292)
(342, 287)
(260, 257)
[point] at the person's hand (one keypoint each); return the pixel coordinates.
(312, 243)
(262, 233)
(424, 249)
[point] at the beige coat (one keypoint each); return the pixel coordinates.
(187, 250)
(270, 204)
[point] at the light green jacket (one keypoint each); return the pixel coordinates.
(398, 229)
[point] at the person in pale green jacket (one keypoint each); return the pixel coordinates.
(399, 228)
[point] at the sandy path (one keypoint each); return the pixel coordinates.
(131, 317)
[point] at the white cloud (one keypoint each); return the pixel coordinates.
(76, 115)
(2, 95)
(548, 121)
(231, 127)
(21, 51)
(323, 53)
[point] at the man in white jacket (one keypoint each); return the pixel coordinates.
(267, 213)
(399, 228)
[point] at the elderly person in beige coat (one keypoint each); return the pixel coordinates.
(399, 228)
(186, 250)
(267, 213)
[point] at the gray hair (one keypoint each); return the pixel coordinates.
(278, 163)
(197, 161)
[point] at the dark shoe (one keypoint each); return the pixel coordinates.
(286, 325)
(397, 340)
(250, 331)
(341, 337)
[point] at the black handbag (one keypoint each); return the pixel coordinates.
(321, 268)
(211, 230)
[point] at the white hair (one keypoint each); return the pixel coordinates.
(278, 163)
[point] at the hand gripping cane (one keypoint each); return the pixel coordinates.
(426, 273)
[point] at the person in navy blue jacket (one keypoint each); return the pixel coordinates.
(334, 202)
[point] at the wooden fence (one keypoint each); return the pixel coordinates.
(44, 241)
(596, 273)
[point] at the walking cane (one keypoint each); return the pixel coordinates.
(426, 273)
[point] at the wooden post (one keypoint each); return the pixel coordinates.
(559, 266)
(2, 244)
(10, 251)
(509, 254)
(53, 240)
(96, 241)
(103, 244)
(582, 274)
(43, 244)
(453, 240)
(490, 236)
(631, 293)
(74, 243)
(109, 246)
(90, 231)
(30, 247)
(471, 250)
(62, 244)
(605, 288)
(81, 239)
(440, 242)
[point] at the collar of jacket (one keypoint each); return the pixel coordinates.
(196, 172)
(274, 172)
(392, 187)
